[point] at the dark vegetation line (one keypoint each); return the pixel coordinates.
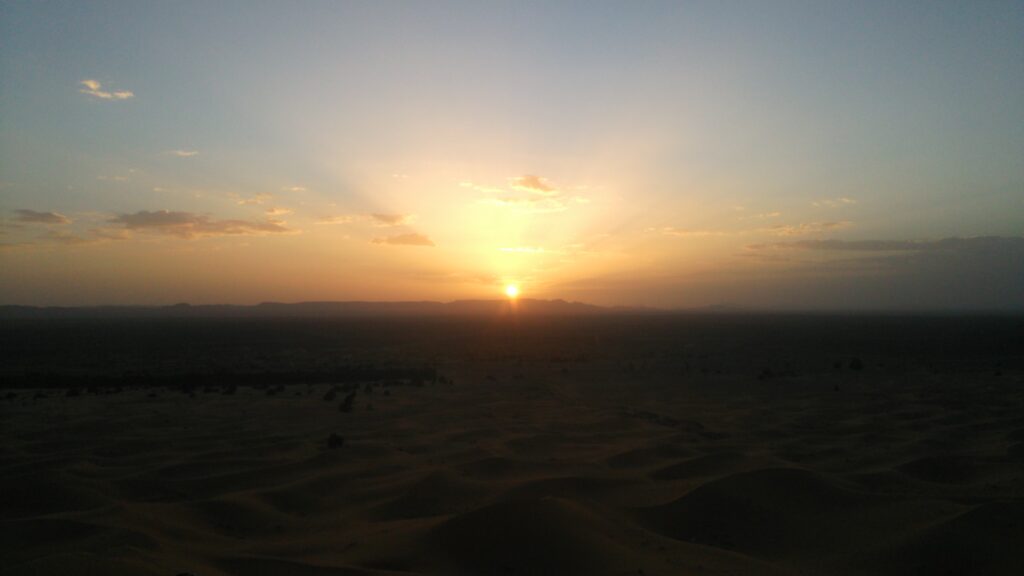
(392, 376)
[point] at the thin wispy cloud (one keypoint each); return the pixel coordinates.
(689, 233)
(391, 219)
(338, 219)
(531, 204)
(33, 217)
(482, 188)
(183, 153)
(380, 220)
(529, 193)
(805, 228)
(834, 202)
(533, 184)
(779, 230)
(251, 200)
(58, 237)
(95, 89)
(109, 233)
(293, 189)
(67, 238)
(412, 239)
(523, 250)
(953, 243)
(189, 225)
(276, 211)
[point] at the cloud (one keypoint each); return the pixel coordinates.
(379, 220)
(117, 178)
(945, 244)
(108, 233)
(524, 250)
(278, 211)
(339, 219)
(294, 189)
(33, 217)
(62, 237)
(391, 219)
(684, 233)
(189, 225)
(529, 193)
(537, 205)
(806, 228)
(94, 88)
(481, 188)
(252, 201)
(65, 238)
(412, 239)
(534, 184)
(184, 153)
(834, 202)
(779, 230)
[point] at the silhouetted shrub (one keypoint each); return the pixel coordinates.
(346, 404)
(335, 441)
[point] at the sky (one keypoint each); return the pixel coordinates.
(765, 155)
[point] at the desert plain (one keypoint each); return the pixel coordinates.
(617, 444)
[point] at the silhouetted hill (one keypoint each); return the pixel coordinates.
(325, 309)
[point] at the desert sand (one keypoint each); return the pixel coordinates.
(605, 461)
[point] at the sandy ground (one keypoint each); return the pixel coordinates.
(524, 468)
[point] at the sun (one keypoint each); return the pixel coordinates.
(512, 291)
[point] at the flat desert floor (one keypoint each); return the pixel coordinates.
(691, 452)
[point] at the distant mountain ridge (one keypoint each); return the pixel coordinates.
(354, 309)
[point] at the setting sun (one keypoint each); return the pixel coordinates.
(512, 291)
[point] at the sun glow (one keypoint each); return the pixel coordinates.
(512, 291)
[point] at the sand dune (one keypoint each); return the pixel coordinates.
(789, 514)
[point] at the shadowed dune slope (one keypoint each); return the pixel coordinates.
(984, 540)
(533, 535)
(785, 514)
